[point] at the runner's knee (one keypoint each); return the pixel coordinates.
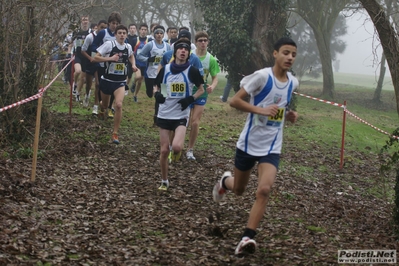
(263, 191)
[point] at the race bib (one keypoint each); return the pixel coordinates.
(116, 69)
(272, 121)
(206, 73)
(178, 90)
(157, 60)
(275, 121)
(79, 43)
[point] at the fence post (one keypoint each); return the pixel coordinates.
(36, 140)
(71, 81)
(341, 165)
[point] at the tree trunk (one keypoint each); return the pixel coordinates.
(266, 35)
(389, 41)
(321, 17)
(378, 90)
(323, 44)
(263, 55)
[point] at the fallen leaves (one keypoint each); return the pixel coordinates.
(94, 204)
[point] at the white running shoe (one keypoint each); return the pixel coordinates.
(190, 155)
(164, 186)
(246, 246)
(219, 192)
(95, 110)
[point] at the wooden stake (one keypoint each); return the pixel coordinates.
(36, 140)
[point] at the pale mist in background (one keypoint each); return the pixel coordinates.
(363, 50)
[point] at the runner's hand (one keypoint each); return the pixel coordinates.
(291, 116)
(185, 102)
(151, 59)
(159, 97)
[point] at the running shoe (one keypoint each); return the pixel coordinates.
(135, 99)
(74, 86)
(101, 115)
(133, 88)
(190, 155)
(77, 97)
(86, 101)
(95, 110)
(126, 93)
(170, 157)
(164, 186)
(110, 113)
(113, 110)
(115, 138)
(219, 192)
(176, 156)
(246, 246)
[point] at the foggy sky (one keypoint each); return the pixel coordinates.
(363, 51)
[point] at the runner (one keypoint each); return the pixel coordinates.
(194, 61)
(91, 68)
(116, 55)
(152, 54)
(137, 47)
(107, 34)
(131, 39)
(173, 114)
(211, 67)
(270, 90)
(80, 60)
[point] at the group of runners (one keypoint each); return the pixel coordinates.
(188, 73)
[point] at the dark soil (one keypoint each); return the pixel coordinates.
(98, 204)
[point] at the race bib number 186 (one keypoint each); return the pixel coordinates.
(178, 90)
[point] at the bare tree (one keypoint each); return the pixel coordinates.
(167, 12)
(321, 17)
(391, 7)
(388, 38)
(28, 34)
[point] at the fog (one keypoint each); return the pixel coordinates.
(363, 50)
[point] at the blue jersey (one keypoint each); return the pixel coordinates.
(194, 60)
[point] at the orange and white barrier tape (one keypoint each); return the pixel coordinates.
(39, 94)
(320, 100)
(367, 123)
(348, 112)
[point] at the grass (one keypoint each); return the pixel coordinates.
(323, 119)
(315, 229)
(356, 80)
(319, 123)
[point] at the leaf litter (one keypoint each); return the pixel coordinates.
(98, 204)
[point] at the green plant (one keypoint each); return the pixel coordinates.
(73, 256)
(315, 229)
(392, 163)
(27, 153)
